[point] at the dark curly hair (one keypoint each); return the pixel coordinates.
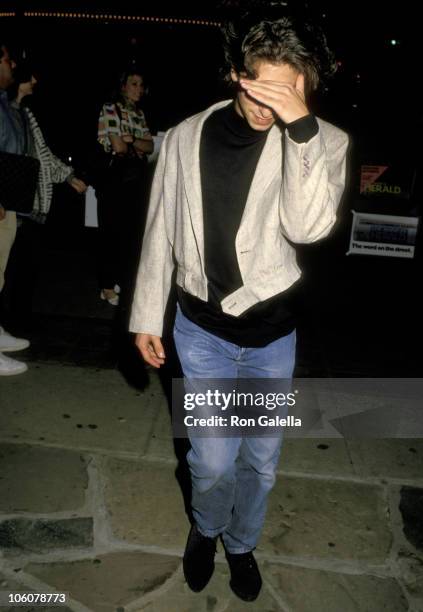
(277, 34)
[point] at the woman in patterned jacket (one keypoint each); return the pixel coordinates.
(52, 169)
(24, 265)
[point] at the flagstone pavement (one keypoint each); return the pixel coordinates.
(92, 505)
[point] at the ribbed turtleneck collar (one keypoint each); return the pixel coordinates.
(239, 127)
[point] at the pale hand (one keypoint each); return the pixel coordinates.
(286, 100)
(151, 349)
(78, 185)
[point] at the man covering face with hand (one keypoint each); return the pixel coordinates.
(235, 188)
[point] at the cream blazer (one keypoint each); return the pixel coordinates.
(293, 198)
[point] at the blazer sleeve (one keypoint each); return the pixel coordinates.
(313, 183)
(156, 263)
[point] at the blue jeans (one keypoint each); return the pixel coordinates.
(231, 477)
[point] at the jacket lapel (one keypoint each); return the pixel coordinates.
(269, 164)
(189, 154)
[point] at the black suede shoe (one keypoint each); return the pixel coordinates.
(245, 576)
(198, 560)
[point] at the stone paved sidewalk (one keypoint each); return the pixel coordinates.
(91, 505)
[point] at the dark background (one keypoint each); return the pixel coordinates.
(375, 92)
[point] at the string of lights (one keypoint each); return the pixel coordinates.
(111, 17)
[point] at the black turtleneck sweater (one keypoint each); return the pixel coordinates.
(229, 153)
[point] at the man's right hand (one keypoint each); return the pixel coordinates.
(151, 349)
(2, 213)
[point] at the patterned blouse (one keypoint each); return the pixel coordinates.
(127, 121)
